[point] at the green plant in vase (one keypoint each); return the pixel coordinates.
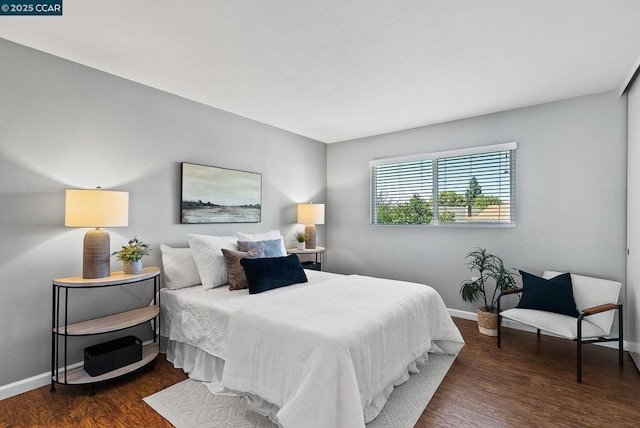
(300, 238)
(490, 269)
(131, 255)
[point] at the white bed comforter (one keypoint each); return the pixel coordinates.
(200, 317)
(329, 355)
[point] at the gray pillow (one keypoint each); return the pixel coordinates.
(270, 248)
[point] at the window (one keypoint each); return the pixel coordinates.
(460, 187)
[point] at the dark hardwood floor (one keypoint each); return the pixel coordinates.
(527, 383)
(531, 382)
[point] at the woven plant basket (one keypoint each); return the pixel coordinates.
(487, 322)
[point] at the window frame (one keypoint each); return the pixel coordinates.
(434, 157)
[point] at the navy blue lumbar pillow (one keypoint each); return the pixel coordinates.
(272, 272)
(551, 295)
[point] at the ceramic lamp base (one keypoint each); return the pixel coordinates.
(310, 234)
(95, 255)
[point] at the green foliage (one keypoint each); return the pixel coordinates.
(133, 251)
(473, 191)
(420, 211)
(416, 211)
(300, 236)
(446, 217)
(450, 198)
(489, 268)
(482, 201)
(384, 214)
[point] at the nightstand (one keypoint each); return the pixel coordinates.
(318, 252)
(62, 331)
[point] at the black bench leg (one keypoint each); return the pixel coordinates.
(620, 338)
(579, 353)
(579, 361)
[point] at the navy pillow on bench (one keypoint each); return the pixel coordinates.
(551, 295)
(272, 272)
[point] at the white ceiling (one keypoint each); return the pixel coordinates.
(335, 70)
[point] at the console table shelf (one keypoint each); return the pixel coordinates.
(80, 377)
(110, 323)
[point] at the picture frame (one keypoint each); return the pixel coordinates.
(213, 194)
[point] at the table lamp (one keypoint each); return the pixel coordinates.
(96, 208)
(310, 215)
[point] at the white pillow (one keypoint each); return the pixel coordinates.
(207, 253)
(266, 236)
(179, 268)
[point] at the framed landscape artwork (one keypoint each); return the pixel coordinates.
(219, 195)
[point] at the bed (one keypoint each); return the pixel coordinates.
(325, 353)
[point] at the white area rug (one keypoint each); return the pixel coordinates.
(190, 404)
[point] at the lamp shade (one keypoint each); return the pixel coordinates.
(311, 213)
(96, 208)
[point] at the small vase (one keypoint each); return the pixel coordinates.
(133, 267)
(301, 245)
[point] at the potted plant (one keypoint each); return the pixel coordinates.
(490, 269)
(131, 255)
(300, 238)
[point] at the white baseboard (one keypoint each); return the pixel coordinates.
(633, 347)
(636, 359)
(26, 385)
(34, 382)
(634, 351)
(463, 314)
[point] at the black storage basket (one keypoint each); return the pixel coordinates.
(108, 356)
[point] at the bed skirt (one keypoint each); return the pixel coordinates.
(197, 363)
(207, 368)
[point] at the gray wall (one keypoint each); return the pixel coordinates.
(571, 174)
(64, 126)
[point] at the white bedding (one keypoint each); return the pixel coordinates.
(200, 317)
(329, 355)
(326, 353)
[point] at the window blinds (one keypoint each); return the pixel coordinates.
(471, 187)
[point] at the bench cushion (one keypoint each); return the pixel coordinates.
(558, 324)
